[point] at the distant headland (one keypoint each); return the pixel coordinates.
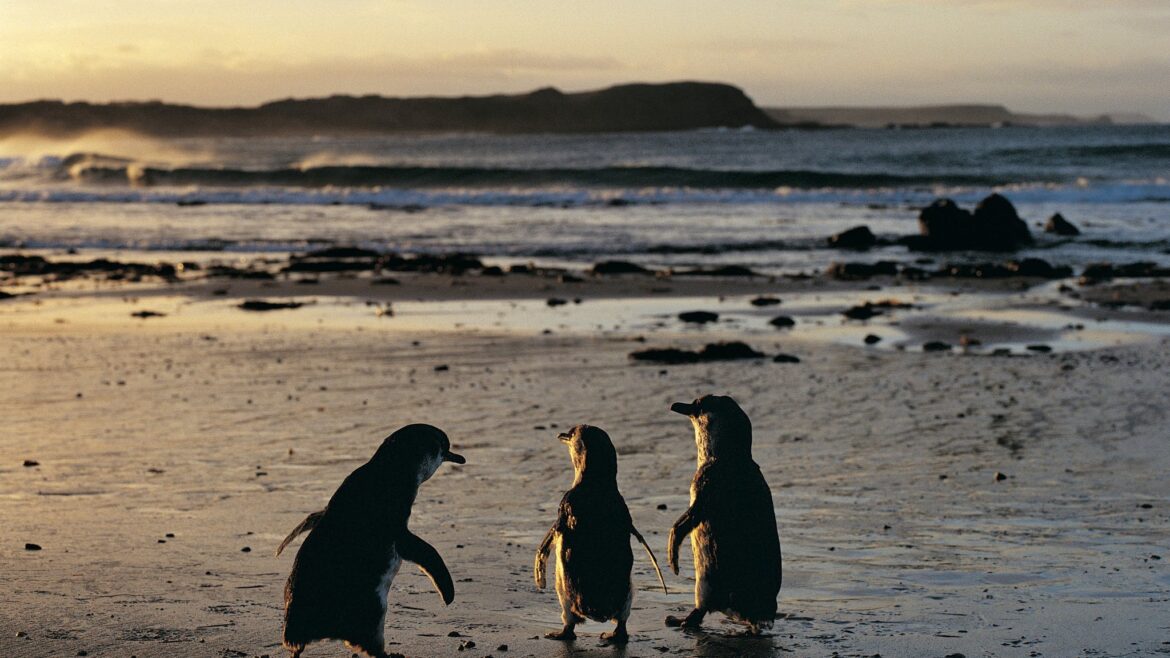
(621, 108)
(936, 116)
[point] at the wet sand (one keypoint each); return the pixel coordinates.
(224, 428)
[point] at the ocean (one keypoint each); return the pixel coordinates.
(764, 199)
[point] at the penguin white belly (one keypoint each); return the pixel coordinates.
(700, 548)
(563, 594)
(384, 589)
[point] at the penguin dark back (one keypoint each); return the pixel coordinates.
(341, 575)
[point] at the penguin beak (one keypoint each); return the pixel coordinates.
(564, 437)
(684, 408)
(449, 456)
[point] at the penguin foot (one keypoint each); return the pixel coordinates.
(566, 634)
(693, 620)
(618, 637)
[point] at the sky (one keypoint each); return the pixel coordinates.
(1080, 56)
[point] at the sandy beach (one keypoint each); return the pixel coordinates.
(929, 503)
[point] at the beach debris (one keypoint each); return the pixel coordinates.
(1000, 477)
(857, 238)
(502, 647)
(221, 271)
(785, 358)
(698, 317)
(728, 351)
(765, 300)
(994, 226)
(726, 270)
(466, 644)
(556, 301)
(856, 271)
(872, 339)
(936, 346)
(385, 281)
(147, 314)
(32, 547)
(492, 270)
(21, 265)
(29, 463)
(782, 322)
(263, 305)
(1040, 348)
(442, 367)
(618, 267)
(1099, 272)
(1058, 225)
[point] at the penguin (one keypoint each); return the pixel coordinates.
(592, 539)
(342, 573)
(731, 521)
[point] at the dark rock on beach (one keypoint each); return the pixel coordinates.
(698, 317)
(229, 272)
(994, 226)
(147, 314)
(1058, 225)
(936, 346)
(262, 305)
(729, 351)
(870, 309)
(782, 322)
(858, 238)
(785, 358)
(726, 270)
(21, 265)
(765, 300)
(858, 271)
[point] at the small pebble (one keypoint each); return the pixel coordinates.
(662, 506)
(246, 549)
(454, 634)
(32, 547)
(1000, 477)
(29, 463)
(502, 647)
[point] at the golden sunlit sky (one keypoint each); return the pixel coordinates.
(1081, 56)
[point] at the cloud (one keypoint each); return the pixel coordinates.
(218, 76)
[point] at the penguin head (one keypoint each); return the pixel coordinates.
(722, 429)
(418, 448)
(592, 452)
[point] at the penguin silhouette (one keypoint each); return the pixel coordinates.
(592, 541)
(342, 573)
(731, 521)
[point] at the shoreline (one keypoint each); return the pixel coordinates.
(223, 427)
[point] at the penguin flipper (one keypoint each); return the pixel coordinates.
(541, 565)
(653, 560)
(415, 549)
(678, 532)
(308, 524)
